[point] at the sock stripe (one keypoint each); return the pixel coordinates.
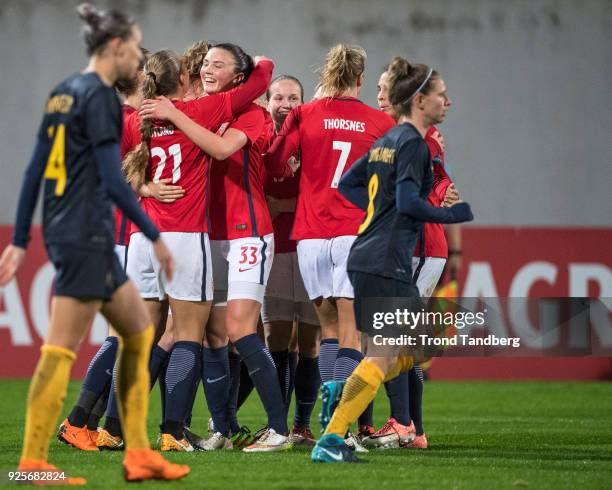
(181, 363)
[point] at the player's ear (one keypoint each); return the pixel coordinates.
(239, 78)
(114, 45)
(360, 80)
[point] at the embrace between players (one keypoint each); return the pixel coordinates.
(213, 169)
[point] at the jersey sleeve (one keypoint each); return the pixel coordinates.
(103, 118)
(441, 178)
(257, 84)
(285, 145)
(412, 158)
(251, 123)
(131, 134)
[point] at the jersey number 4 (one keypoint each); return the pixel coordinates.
(345, 150)
(56, 163)
(175, 152)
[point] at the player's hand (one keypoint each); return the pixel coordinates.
(164, 257)
(257, 59)
(158, 108)
(10, 262)
(163, 191)
(454, 264)
(294, 164)
(461, 212)
(438, 138)
(450, 197)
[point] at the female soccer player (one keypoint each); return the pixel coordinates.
(77, 157)
(184, 223)
(330, 134)
(405, 391)
(193, 57)
(392, 182)
(242, 250)
(286, 302)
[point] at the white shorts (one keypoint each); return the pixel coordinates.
(121, 251)
(192, 279)
(241, 268)
(286, 297)
(429, 274)
(323, 266)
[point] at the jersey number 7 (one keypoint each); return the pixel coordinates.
(345, 150)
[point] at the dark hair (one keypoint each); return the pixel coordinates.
(129, 87)
(343, 65)
(102, 26)
(406, 80)
(244, 63)
(280, 78)
(162, 74)
(193, 57)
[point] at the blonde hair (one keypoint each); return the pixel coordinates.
(162, 73)
(344, 64)
(193, 57)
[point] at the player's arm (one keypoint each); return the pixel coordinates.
(284, 146)
(353, 184)
(14, 254)
(257, 84)
(412, 158)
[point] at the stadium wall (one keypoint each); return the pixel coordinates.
(528, 136)
(498, 262)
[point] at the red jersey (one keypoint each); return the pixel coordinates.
(238, 207)
(435, 238)
(122, 224)
(331, 134)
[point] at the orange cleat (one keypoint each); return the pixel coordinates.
(146, 464)
(78, 437)
(93, 435)
(47, 475)
(420, 442)
(391, 435)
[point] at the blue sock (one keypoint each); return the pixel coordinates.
(245, 385)
(281, 361)
(397, 391)
(415, 386)
(180, 376)
(263, 373)
(97, 412)
(327, 358)
(307, 382)
(216, 381)
(346, 362)
(112, 423)
(159, 357)
(292, 361)
(99, 374)
(161, 380)
(232, 405)
(193, 393)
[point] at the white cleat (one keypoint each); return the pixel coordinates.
(268, 442)
(214, 443)
(354, 443)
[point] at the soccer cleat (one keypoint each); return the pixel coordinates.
(167, 442)
(269, 441)
(93, 434)
(58, 477)
(215, 442)
(108, 442)
(420, 442)
(194, 439)
(146, 464)
(301, 436)
(332, 449)
(242, 438)
(365, 431)
(76, 436)
(391, 435)
(354, 443)
(331, 391)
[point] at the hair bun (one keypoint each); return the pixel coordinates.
(89, 13)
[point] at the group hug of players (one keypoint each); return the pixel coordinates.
(280, 217)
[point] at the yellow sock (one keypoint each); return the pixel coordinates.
(45, 400)
(403, 364)
(359, 391)
(133, 386)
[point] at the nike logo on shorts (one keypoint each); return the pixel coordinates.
(208, 380)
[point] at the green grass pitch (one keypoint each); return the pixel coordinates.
(481, 434)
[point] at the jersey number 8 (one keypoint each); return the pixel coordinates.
(372, 190)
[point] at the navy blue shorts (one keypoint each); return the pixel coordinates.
(372, 286)
(85, 273)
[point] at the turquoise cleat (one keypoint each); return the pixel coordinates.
(331, 391)
(332, 449)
